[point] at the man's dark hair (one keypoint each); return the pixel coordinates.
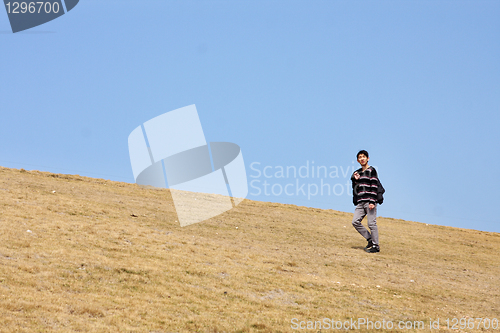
(364, 152)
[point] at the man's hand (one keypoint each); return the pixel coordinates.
(371, 206)
(356, 176)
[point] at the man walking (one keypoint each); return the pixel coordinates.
(364, 188)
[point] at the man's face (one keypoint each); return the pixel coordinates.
(362, 159)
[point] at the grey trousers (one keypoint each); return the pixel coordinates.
(360, 212)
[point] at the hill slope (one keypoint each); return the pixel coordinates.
(103, 256)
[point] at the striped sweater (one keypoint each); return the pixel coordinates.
(365, 188)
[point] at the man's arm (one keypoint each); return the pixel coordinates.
(355, 176)
(354, 180)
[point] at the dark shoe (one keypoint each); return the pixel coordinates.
(370, 244)
(373, 249)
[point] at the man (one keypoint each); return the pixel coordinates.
(364, 188)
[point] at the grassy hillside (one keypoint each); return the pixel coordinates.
(90, 255)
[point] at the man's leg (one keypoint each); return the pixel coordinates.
(372, 224)
(359, 214)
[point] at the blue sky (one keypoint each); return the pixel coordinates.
(416, 83)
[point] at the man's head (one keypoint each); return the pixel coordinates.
(363, 157)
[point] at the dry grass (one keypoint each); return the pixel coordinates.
(88, 265)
